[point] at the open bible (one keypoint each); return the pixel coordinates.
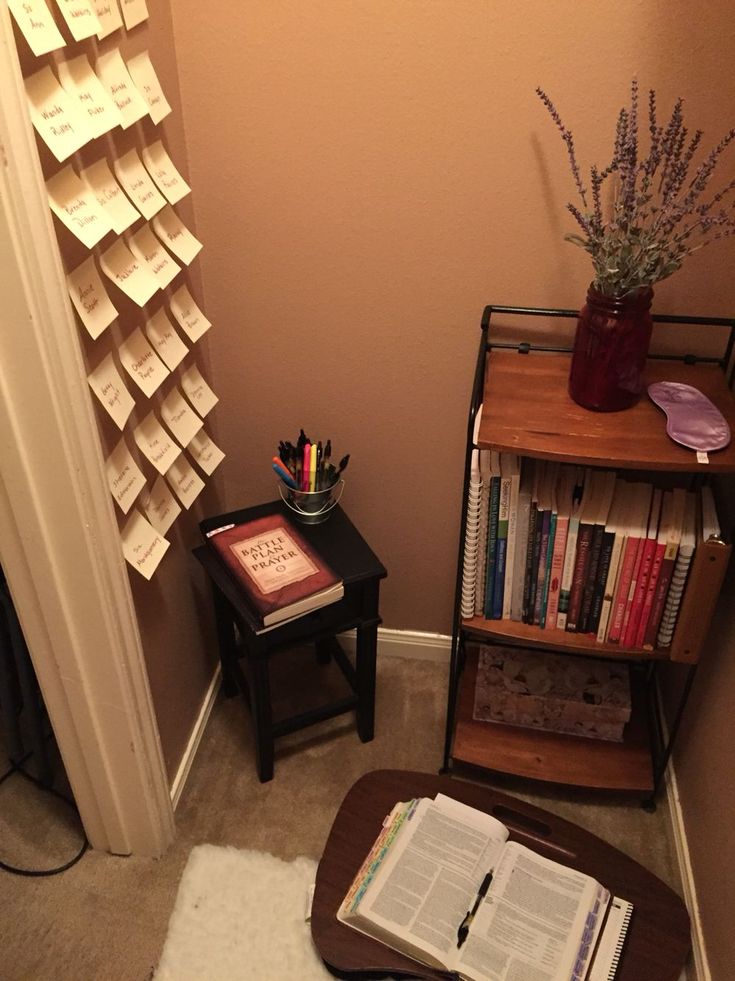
(443, 885)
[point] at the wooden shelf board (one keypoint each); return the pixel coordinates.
(549, 756)
(527, 410)
(509, 631)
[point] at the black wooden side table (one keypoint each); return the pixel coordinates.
(245, 655)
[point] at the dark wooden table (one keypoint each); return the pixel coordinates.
(245, 654)
(658, 940)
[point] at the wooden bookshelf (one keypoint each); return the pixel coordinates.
(527, 410)
(533, 753)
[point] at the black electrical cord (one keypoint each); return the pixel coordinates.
(18, 768)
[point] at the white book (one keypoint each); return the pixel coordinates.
(472, 521)
(482, 534)
(687, 547)
(620, 515)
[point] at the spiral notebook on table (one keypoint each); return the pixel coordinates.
(612, 938)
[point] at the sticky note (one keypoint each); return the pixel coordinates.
(134, 12)
(182, 421)
(188, 315)
(166, 177)
(184, 481)
(142, 363)
(76, 205)
(137, 184)
(108, 14)
(56, 115)
(108, 386)
(80, 18)
(115, 76)
(205, 453)
(149, 250)
(155, 443)
(176, 236)
(124, 477)
(160, 506)
(90, 298)
(110, 196)
(95, 102)
(128, 273)
(145, 78)
(37, 25)
(143, 546)
(165, 341)
(198, 391)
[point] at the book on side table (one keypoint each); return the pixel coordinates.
(281, 573)
(443, 885)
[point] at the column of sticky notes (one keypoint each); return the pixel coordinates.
(122, 208)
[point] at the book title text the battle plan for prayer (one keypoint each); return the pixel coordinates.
(274, 561)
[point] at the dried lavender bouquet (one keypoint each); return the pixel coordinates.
(659, 214)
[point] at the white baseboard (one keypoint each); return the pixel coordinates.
(195, 738)
(407, 643)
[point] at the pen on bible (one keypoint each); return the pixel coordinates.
(464, 927)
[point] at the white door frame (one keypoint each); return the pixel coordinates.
(59, 539)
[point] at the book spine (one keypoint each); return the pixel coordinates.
(510, 555)
(570, 554)
(584, 540)
(501, 548)
(673, 599)
(482, 548)
(640, 545)
(541, 570)
(531, 563)
(659, 600)
(657, 562)
(610, 587)
(590, 580)
(641, 585)
(469, 568)
(547, 574)
(519, 565)
(598, 592)
(621, 593)
(492, 545)
(557, 568)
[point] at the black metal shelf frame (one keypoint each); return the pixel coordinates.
(662, 743)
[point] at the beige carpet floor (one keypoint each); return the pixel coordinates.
(106, 917)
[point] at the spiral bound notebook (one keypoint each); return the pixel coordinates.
(612, 938)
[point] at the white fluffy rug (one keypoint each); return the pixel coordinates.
(241, 915)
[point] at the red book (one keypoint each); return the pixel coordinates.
(282, 575)
(634, 538)
(643, 573)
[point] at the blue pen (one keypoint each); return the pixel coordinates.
(283, 473)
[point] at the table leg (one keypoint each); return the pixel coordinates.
(323, 649)
(260, 707)
(365, 658)
(225, 626)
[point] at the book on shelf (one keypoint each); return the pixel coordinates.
(521, 545)
(607, 543)
(531, 546)
(620, 516)
(492, 532)
(593, 572)
(583, 478)
(635, 531)
(444, 885)
(482, 534)
(547, 510)
(595, 492)
(672, 521)
(565, 492)
(514, 466)
(689, 536)
(508, 467)
(642, 572)
(281, 574)
(472, 521)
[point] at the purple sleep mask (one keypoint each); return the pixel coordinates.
(691, 419)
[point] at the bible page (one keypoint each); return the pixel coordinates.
(430, 879)
(539, 921)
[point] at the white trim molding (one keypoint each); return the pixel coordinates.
(407, 643)
(59, 539)
(182, 774)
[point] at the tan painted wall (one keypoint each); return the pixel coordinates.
(368, 175)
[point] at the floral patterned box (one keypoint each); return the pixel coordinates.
(558, 693)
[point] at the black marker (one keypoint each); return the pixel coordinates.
(464, 927)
